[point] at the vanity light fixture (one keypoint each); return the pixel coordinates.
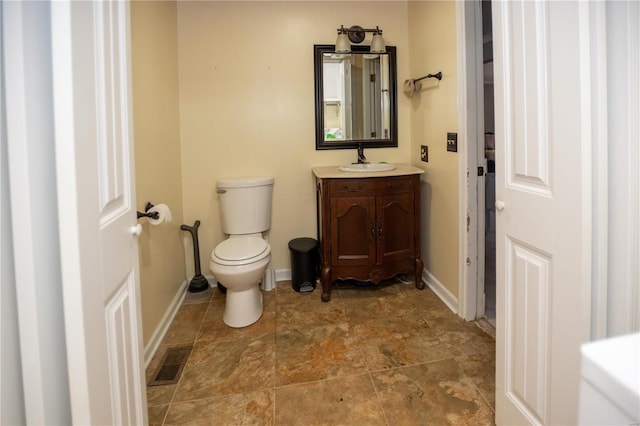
(342, 43)
(356, 34)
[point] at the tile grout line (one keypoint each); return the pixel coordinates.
(379, 397)
(311, 382)
(484, 399)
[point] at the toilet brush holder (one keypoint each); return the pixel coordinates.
(198, 282)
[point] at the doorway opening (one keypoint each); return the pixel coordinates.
(488, 148)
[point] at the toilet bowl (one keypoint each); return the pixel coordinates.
(239, 262)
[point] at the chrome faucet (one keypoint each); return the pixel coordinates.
(361, 158)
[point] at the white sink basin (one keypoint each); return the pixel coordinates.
(367, 167)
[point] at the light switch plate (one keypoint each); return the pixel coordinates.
(452, 142)
(424, 153)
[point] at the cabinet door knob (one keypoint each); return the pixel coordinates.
(499, 205)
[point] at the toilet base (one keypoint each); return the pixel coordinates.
(243, 308)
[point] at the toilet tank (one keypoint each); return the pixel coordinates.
(245, 204)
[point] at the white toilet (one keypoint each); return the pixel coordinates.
(239, 262)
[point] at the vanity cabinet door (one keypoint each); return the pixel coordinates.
(395, 227)
(353, 231)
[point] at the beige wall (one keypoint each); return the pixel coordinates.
(157, 152)
(247, 104)
(432, 48)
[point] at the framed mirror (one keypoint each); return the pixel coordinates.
(356, 98)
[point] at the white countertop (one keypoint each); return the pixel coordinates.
(332, 172)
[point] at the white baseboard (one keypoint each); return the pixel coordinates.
(167, 319)
(441, 291)
(283, 274)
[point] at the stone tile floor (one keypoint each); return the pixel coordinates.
(385, 355)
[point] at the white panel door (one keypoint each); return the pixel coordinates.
(539, 211)
(94, 145)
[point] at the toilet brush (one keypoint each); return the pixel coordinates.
(198, 283)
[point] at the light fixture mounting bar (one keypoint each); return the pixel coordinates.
(356, 33)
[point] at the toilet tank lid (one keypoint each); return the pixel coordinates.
(245, 182)
(242, 248)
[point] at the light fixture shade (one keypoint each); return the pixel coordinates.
(377, 44)
(342, 44)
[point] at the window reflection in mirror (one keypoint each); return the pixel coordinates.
(355, 98)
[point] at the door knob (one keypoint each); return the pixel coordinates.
(499, 205)
(136, 230)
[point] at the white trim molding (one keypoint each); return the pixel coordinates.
(633, 22)
(162, 328)
(283, 274)
(471, 129)
(623, 200)
(595, 177)
(440, 290)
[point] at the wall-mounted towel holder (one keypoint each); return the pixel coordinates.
(413, 85)
(152, 215)
(437, 75)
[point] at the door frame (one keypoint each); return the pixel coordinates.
(470, 186)
(32, 256)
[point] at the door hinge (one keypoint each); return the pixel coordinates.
(372, 78)
(480, 171)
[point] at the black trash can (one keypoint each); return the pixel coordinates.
(304, 264)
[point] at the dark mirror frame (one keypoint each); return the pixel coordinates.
(321, 143)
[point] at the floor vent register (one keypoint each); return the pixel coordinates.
(171, 366)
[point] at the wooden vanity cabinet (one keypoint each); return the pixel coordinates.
(369, 229)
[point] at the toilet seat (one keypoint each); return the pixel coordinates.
(241, 250)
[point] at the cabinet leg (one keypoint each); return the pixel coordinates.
(325, 277)
(419, 267)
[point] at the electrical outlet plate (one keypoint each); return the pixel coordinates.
(452, 142)
(424, 153)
